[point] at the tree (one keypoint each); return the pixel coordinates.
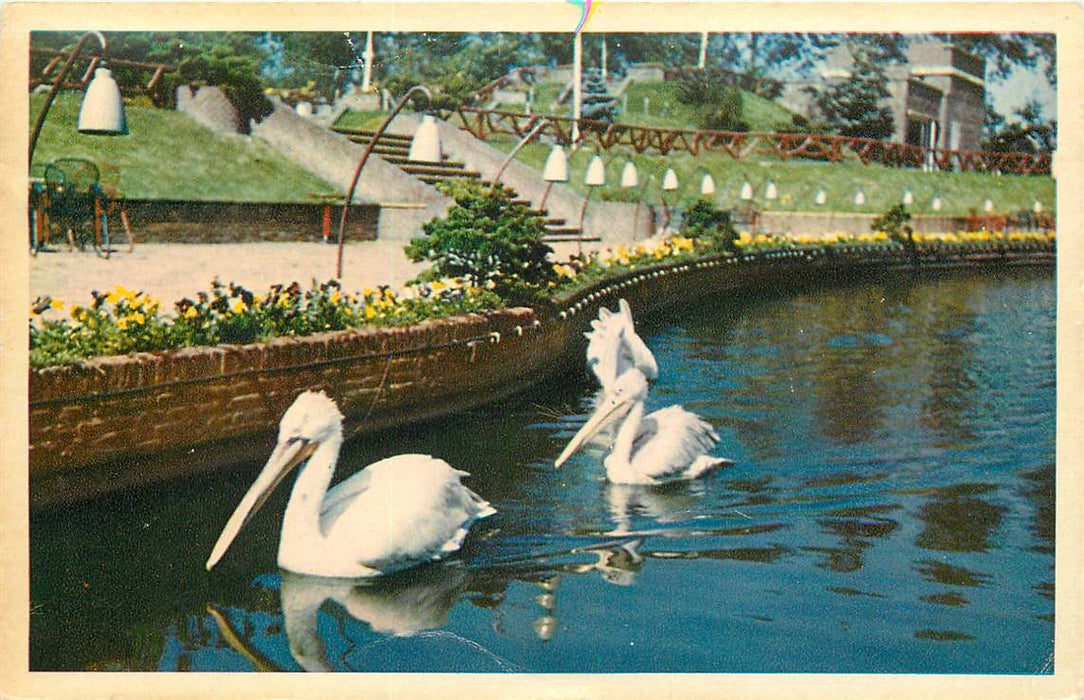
(598, 104)
(1030, 132)
(855, 106)
(490, 239)
(1005, 52)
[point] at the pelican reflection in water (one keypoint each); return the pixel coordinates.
(394, 514)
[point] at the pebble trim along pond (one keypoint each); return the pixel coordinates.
(88, 420)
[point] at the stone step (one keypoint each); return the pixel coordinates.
(385, 150)
(570, 238)
(563, 231)
(366, 135)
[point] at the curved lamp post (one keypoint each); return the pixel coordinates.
(707, 185)
(630, 178)
(669, 184)
(542, 122)
(102, 112)
(555, 170)
(595, 177)
(361, 164)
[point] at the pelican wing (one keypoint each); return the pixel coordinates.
(669, 441)
(339, 498)
(604, 356)
(409, 509)
(636, 352)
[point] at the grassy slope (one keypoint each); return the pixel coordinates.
(798, 182)
(167, 155)
(664, 110)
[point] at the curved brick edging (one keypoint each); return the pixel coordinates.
(190, 410)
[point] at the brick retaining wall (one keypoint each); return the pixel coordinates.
(190, 221)
(110, 423)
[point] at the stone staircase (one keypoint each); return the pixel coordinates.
(395, 149)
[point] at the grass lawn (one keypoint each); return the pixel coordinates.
(167, 155)
(365, 121)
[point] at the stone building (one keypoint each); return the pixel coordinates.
(937, 96)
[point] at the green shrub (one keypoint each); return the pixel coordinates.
(702, 221)
(487, 238)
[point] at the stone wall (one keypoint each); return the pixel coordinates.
(816, 224)
(227, 400)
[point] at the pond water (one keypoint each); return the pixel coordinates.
(891, 509)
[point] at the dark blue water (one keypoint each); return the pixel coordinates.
(891, 510)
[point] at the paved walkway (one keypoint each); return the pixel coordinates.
(173, 271)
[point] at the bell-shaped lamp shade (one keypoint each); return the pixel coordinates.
(102, 112)
(669, 180)
(771, 191)
(596, 172)
(1037, 207)
(908, 197)
(859, 198)
(936, 204)
(556, 169)
(746, 191)
(821, 197)
(629, 176)
(707, 185)
(988, 205)
(426, 144)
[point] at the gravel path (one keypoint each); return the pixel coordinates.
(173, 271)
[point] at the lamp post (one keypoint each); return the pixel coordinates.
(102, 112)
(631, 178)
(361, 165)
(555, 170)
(542, 122)
(669, 184)
(771, 192)
(707, 185)
(595, 177)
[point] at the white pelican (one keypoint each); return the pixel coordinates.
(394, 514)
(667, 445)
(613, 346)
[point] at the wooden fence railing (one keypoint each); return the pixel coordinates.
(484, 124)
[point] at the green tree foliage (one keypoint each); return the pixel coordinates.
(1030, 132)
(1006, 52)
(598, 104)
(488, 238)
(722, 103)
(326, 59)
(854, 106)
